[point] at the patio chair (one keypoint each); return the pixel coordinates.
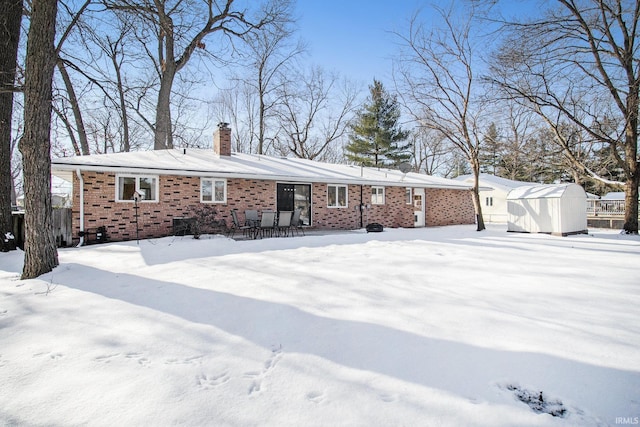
(251, 218)
(284, 223)
(296, 223)
(267, 223)
(246, 229)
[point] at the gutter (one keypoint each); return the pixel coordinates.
(244, 175)
(81, 187)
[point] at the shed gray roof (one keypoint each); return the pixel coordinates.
(204, 162)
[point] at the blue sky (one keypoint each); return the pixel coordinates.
(354, 36)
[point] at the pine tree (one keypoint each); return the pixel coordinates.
(491, 151)
(376, 138)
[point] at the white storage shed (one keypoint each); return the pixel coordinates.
(558, 209)
(493, 195)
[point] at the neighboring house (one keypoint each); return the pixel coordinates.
(171, 183)
(493, 195)
(558, 209)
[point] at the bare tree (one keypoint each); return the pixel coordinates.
(9, 37)
(40, 254)
(431, 152)
(579, 64)
(315, 112)
(111, 80)
(438, 81)
(179, 28)
(269, 54)
(237, 105)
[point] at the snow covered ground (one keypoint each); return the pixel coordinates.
(425, 327)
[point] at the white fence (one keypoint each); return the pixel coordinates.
(596, 207)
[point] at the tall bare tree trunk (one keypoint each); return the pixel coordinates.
(163, 131)
(40, 254)
(477, 205)
(75, 107)
(9, 37)
(632, 161)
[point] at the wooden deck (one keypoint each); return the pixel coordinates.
(605, 213)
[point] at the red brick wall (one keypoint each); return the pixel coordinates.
(448, 207)
(178, 193)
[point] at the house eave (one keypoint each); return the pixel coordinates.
(63, 170)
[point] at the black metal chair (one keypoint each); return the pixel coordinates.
(284, 223)
(296, 223)
(267, 223)
(246, 229)
(251, 218)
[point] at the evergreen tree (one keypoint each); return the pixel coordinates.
(491, 151)
(376, 138)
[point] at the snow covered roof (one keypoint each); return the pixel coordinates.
(204, 162)
(496, 182)
(614, 195)
(545, 191)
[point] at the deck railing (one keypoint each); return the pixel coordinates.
(597, 207)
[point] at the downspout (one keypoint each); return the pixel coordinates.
(361, 208)
(81, 188)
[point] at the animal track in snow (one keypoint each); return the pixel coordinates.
(106, 358)
(52, 356)
(315, 396)
(138, 357)
(258, 377)
(185, 361)
(208, 382)
(388, 397)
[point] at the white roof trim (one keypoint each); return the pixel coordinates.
(198, 162)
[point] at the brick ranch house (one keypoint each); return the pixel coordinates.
(170, 183)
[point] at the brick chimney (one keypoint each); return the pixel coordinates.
(222, 140)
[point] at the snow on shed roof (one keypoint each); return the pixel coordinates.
(204, 162)
(496, 182)
(544, 191)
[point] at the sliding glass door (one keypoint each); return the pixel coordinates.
(295, 196)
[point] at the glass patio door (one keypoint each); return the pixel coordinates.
(295, 196)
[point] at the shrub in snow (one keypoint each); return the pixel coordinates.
(538, 402)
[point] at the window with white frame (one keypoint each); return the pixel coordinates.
(408, 199)
(144, 185)
(377, 195)
(337, 196)
(213, 190)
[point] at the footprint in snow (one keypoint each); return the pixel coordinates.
(315, 396)
(187, 361)
(388, 397)
(52, 356)
(258, 376)
(208, 382)
(139, 358)
(106, 358)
